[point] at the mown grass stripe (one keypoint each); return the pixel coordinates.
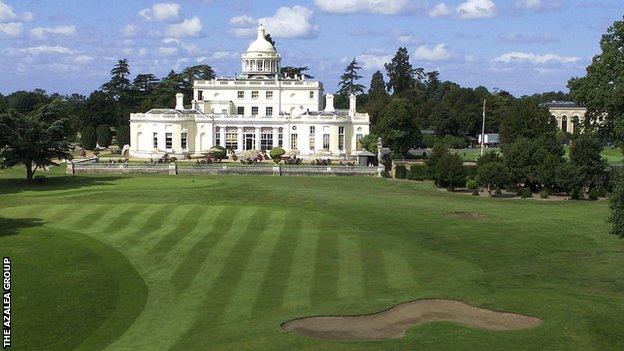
(218, 234)
(350, 274)
(154, 219)
(106, 215)
(299, 288)
(271, 294)
(186, 226)
(246, 292)
(325, 280)
(124, 220)
(375, 280)
(398, 270)
(89, 215)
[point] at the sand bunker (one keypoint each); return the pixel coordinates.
(465, 215)
(392, 323)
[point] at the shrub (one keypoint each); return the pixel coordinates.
(429, 140)
(438, 152)
(575, 194)
(498, 191)
(476, 193)
(602, 191)
(568, 177)
(401, 172)
(472, 184)
(88, 138)
(489, 157)
(104, 135)
(493, 175)
(40, 179)
(527, 193)
(219, 152)
(544, 194)
(418, 173)
(617, 204)
(276, 154)
(471, 171)
(593, 194)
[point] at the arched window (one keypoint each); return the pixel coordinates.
(564, 123)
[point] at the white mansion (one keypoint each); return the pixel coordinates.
(258, 110)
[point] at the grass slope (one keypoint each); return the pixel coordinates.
(217, 263)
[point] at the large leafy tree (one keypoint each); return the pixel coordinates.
(617, 204)
(397, 126)
(526, 119)
(35, 140)
(400, 72)
(348, 81)
(377, 89)
(585, 153)
(602, 88)
(119, 84)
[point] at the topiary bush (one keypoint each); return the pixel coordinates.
(593, 194)
(219, 152)
(123, 136)
(417, 173)
(527, 193)
(575, 194)
(544, 194)
(88, 138)
(104, 135)
(276, 154)
(400, 172)
(472, 183)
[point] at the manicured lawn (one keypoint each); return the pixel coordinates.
(217, 263)
(612, 155)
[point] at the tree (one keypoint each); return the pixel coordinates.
(270, 40)
(437, 153)
(377, 88)
(489, 156)
(104, 136)
(526, 119)
(568, 177)
(34, 140)
(290, 71)
(617, 205)
(369, 143)
(199, 72)
(277, 153)
(122, 137)
(119, 83)
(144, 83)
(601, 88)
(397, 127)
(88, 138)
(493, 175)
(347, 84)
(585, 153)
(400, 72)
(450, 172)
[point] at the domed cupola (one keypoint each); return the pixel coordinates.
(261, 58)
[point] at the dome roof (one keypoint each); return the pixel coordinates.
(261, 44)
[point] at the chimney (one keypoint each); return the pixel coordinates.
(352, 104)
(329, 103)
(179, 101)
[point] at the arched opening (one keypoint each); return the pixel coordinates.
(564, 123)
(202, 142)
(138, 141)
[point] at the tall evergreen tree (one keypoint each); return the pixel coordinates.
(400, 72)
(144, 83)
(348, 81)
(291, 71)
(270, 40)
(377, 86)
(119, 83)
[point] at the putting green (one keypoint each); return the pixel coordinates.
(218, 263)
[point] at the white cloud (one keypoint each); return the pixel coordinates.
(372, 62)
(524, 57)
(161, 12)
(242, 21)
(287, 22)
(384, 7)
(43, 32)
(188, 28)
(83, 59)
(28, 16)
(130, 31)
(537, 5)
(440, 10)
(6, 12)
(407, 39)
(437, 53)
(224, 55)
(11, 29)
(167, 51)
(475, 9)
(40, 50)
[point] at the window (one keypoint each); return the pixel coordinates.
(358, 142)
(266, 138)
(254, 94)
(312, 137)
(183, 140)
(269, 95)
(200, 95)
(280, 137)
(564, 123)
(155, 140)
(269, 111)
(217, 136)
(224, 111)
(325, 141)
(168, 141)
(241, 94)
(312, 94)
(293, 141)
(341, 140)
(240, 110)
(254, 111)
(231, 138)
(260, 65)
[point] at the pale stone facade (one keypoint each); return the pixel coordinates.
(567, 114)
(258, 110)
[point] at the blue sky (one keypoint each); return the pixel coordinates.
(522, 46)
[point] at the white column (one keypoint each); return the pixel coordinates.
(239, 135)
(257, 131)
